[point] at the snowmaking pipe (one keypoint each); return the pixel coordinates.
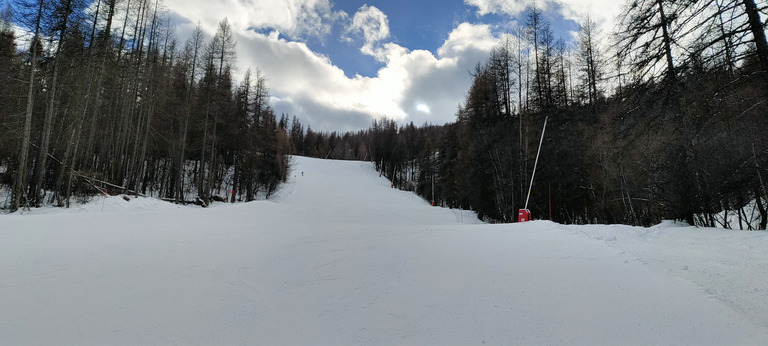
(536, 163)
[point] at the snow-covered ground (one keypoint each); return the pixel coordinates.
(341, 258)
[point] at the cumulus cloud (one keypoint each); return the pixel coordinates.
(511, 7)
(419, 85)
(308, 85)
(440, 82)
(468, 37)
(299, 19)
(374, 27)
(603, 12)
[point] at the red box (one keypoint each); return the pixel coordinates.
(524, 215)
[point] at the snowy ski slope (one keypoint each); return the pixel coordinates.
(340, 258)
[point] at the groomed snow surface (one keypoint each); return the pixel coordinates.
(340, 258)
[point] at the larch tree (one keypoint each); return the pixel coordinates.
(191, 61)
(20, 186)
(648, 35)
(219, 56)
(590, 61)
(60, 24)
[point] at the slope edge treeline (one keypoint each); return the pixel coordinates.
(109, 99)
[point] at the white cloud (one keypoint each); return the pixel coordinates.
(416, 85)
(441, 82)
(602, 12)
(374, 26)
(298, 19)
(310, 86)
(468, 37)
(511, 7)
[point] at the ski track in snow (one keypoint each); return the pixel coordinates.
(339, 257)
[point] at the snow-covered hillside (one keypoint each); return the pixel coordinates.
(341, 258)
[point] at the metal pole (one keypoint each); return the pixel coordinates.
(537, 162)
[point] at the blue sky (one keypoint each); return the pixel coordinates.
(337, 65)
(413, 24)
(420, 24)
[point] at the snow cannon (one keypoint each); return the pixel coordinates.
(524, 215)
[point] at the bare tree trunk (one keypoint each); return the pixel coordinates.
(762, 209)
(121, 46)
(120, 118)
(197, 42)
(60, 185)
(142, 156)
(179, 193)
(235, 182)
(535, 19)
(522, 110)
(138, 52)
(105, 43)
(151, 100)
(726, 38)
(667, 43)
(212, 169)
(74, 162)
(201, 173)
(20, 183)
(40, 167)
(758, 195)
(758, 34)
